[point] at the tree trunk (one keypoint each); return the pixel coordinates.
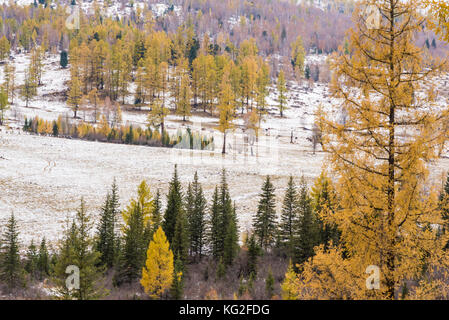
(224, 144)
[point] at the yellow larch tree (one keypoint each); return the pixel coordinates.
(282, 90)
(185, 94)
(156, 117)
(157, 275)
(386, 213)
(144, 200)
(298, 55)
(226, 108)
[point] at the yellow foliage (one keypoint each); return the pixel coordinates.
(157, 275)
(145, 201)
(386, 214)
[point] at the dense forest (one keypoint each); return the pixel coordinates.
(374, 208)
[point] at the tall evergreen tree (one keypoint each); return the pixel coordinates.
(63, 61)
(264, 223)
(289, 217)
(254, 252)
(79, 249)
(11, 270)
(196, 206)
(181, 244)
(215, 226)
(107, 236)
(308, 227)
(282, 89)
(174, 206)
(231, 239)
(43, 260)
(156, 216)
(223, 224)
(134, 247)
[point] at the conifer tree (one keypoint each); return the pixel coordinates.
(157, 274)
(231, 239)
(10, 81)
(196, 207)
(289, 285)
(177, 287)
(223, 224)
(3, 104)
(29, 88)
(384, 206)
(133, 252)
(144, 199)
(215, 226)
(5, 48)
(107, 237)
(174, 206)
(289, 217)
(156, 215)
(156, 117)
(78, 249)
(183, 107)
(298, 55)
(264, 222)
(308, 227)
(63, 59)
(11, 270)
(75, 94)
(282, 89)
(226, 110)
(254, 251)
(181, 244)
(43, 260)
(31, 260)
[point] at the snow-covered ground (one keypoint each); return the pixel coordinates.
(43, 178)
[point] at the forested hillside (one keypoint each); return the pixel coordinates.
(195, 149)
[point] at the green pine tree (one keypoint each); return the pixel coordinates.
(196, 207)
(134, 247)
(231, 240)
(11, 270)
(32, 261)
(177, 287)
(174, 206)
(180, 245)
(156, 216)
(308, 227)
(264, 223)
(106, 231)
(79, 250)
(289, 217)
(43, 260)
(254, 252)
(215, 226)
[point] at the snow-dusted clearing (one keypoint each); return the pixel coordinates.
(43, 178)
